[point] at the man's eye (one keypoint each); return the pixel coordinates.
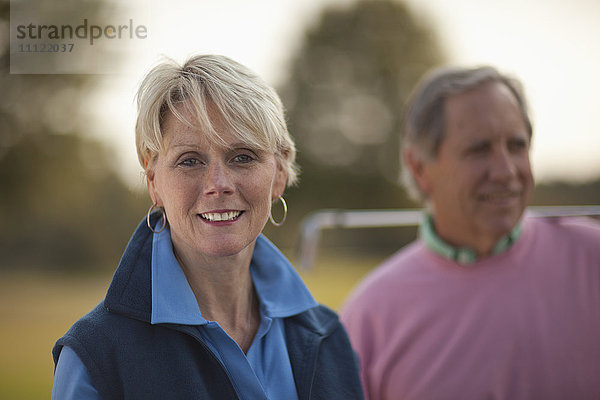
(517, 145)
(478, 149)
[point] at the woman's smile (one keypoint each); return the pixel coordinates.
(221, 216)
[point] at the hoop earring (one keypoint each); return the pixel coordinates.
(284, 214)
(164, 218)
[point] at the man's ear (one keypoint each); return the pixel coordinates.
(419, 170)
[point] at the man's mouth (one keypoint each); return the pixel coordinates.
(224, 216)
(498, 196)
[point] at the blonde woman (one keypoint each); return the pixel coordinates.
(202, 305)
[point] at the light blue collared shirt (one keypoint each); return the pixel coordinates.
(264, 372)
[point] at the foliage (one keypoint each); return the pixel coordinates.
(346, 91)
(563, 193)
(62, 204)
(349, 83)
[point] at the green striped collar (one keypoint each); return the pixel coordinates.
(462, 255)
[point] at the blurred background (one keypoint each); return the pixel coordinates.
(71, 191)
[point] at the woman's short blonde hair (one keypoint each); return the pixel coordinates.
(248, 106)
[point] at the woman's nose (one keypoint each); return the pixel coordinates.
(218, 180)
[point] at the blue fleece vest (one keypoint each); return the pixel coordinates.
(129, 358)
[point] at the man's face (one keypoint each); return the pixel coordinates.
(481, 181)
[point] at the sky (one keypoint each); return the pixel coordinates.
(552, 46)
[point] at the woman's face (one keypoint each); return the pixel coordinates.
(217, 198)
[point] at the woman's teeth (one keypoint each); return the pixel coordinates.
(228, 216)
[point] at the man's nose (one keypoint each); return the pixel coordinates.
(502, 165)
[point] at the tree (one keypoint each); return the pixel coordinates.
(62, 204)
(349, 84)
(345, 96)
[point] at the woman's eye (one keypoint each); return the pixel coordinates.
(189, 162)
(243, 158)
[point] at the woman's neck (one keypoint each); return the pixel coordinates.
(224, 292)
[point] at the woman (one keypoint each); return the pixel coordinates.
(202, 306)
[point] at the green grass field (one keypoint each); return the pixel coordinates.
(36, 309)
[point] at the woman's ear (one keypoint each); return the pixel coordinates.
(279, 182)
(151, 183)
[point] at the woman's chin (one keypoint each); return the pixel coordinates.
(224, 247)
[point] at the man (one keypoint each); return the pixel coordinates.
(485, 304)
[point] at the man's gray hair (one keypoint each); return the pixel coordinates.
(424, 119)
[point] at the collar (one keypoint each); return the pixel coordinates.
(462, 255)
(280, 290)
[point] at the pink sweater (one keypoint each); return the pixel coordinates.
(524, 324)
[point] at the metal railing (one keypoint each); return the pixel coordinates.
(315, 223)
